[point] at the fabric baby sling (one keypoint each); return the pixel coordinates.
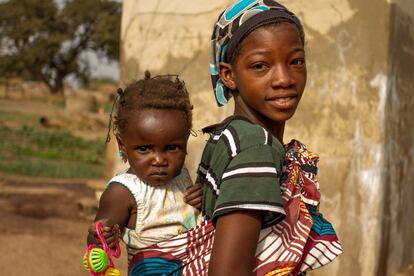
(303, 241)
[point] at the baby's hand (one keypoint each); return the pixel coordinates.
(193, 195)
(110, 233)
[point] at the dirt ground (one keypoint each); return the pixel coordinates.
(44, 221)
(43, 229)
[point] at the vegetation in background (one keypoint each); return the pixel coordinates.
(44, 42)
(35, 152)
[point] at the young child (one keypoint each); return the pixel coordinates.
(146, 202)
(258, 58)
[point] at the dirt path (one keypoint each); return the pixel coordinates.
(42, 230)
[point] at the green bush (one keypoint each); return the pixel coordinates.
(33, 152)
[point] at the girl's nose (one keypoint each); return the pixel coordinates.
(282, 77)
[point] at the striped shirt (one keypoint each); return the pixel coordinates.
(240, 170)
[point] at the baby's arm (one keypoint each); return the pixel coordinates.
(115, 207)
(235, 242)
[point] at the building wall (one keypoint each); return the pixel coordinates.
(356, 111)
(174, 37)
(398, 223)
(341, 118)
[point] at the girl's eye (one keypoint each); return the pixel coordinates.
(298, 61)
(258, 66)
(143, 149)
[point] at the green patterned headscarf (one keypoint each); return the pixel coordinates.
(233, 25)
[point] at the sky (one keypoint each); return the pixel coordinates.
(100, 67)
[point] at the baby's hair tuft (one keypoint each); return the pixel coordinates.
(158, 92)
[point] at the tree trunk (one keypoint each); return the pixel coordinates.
(58, 86)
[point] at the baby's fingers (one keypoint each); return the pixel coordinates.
(193, 192)
(92, 226)
(95, 240)
(106, 231)
(114, 236)
(193, 188)
(111, 240)
(196, 202)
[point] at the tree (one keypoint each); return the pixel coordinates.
(41, 41)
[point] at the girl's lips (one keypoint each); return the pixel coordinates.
(283, 102)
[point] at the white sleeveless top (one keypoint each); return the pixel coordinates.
(161, 211)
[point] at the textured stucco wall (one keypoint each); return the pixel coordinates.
(398, 224)
(173, 37)
(357, 111)
(341, 118)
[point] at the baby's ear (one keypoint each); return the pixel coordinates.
(120, 143)
(227, 76)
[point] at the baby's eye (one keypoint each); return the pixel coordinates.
(173, 147)
(143, 149)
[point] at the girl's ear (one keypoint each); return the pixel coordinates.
(227, 76)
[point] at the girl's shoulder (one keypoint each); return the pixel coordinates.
(240, 133)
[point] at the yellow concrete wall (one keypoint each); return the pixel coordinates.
(357, 111)
(398, 182)
(174, 37)
(340, 118)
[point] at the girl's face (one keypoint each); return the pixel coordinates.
(155, 144)
(269, 74)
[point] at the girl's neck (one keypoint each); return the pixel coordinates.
(277, 129)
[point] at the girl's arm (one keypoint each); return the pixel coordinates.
(235, 242)
(115, 207)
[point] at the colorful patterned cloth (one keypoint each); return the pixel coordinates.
(303, 241)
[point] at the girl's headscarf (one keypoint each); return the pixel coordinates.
(233, 25)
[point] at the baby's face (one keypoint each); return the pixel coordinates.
(155, 144)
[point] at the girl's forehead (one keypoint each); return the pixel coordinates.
(271, 41)
(273, 28)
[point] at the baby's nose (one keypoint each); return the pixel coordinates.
(160, 159)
